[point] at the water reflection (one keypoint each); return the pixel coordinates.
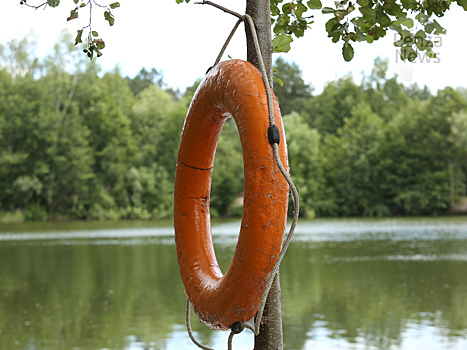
(346, 284)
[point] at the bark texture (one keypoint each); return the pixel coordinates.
(260, 12)
(270, 335)
(270, 332)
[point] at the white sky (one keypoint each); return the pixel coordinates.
(183, 40)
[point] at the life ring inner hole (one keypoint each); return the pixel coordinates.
(226, 198)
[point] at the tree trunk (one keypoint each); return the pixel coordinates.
(270, 334)
(270, 331)
(260, 12)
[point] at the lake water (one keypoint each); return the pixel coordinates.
(346, 284)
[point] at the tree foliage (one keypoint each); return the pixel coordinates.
(289, 87)
(76, 143)
(94, 44)
(350, 21)
(366, 20)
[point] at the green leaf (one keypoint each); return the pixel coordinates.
(438, 28)
(359, 33)
(298, 29)
(462, 3)
(314, 4)
(328, 10)
(53, 3)
(368, 12)
(274, 10)
(431, 54)
(281, 43)
(99, 43)
(109, 18)
(78, 39)
(347, 52)
(331, 24)
(300, 9)
(422, 17)
(73, 15)
(281, 83)
(94, 33)
(397, 27)
(279, 28)
(362, 3)
(408, 53)
(408, 22)
(341, 28)
(369, 39)
(412, 56)
(380, 32)
(383, 19)
(76, 1)
(114, 5)
(288, 8)
(398, 43)
(430, 27)
(428, 45)
(420, 34)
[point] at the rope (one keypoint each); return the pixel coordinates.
(190, 331)
(228, 41)
(284, 172)
(262, 69)
(293, 189)
(239, 327)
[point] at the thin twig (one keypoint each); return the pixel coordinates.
(205, 2)
(103, 6)
(33, 6)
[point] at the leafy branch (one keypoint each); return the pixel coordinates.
(364, 20)
(94, 43)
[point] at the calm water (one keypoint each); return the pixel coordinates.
(346, 284)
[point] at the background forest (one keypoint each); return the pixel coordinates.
(77, 143)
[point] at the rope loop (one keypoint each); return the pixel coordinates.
(190, 331)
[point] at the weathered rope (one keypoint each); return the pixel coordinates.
(190, 331)
(262, 68)
(284, 172)
(227, 41)
(293, 189)
(239, 327)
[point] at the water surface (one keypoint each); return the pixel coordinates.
(346, 284)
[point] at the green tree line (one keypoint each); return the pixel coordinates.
(79, 143)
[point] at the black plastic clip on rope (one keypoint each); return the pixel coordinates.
(274, 136)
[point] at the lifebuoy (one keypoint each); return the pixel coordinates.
(234, 88)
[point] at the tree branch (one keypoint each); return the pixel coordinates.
(23, 2)
(205, 2)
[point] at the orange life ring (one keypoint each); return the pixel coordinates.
(234, 88)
